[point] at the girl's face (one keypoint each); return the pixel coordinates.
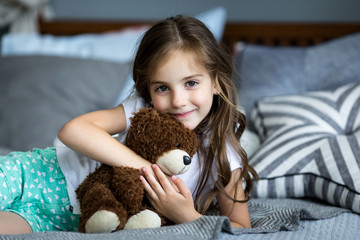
(183, 88)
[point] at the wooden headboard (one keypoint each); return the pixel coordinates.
(271, 34)
(286, 34)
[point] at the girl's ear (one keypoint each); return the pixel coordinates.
(216, 89)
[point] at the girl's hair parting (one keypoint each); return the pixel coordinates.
(224, 123)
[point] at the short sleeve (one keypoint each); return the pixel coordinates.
(234, 158)
(131, 105)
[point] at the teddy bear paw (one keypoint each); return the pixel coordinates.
(144, 219)
(102, 221)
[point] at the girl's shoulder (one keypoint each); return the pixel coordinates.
(233, 156)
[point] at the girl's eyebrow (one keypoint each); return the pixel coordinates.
(157, 83)
(184, 79)
(192, 76)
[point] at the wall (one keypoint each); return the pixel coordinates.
(237, 10)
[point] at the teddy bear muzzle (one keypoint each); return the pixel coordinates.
(174, 162)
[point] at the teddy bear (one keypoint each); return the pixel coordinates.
(113, 198)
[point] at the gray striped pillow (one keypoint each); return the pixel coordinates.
(310, 146)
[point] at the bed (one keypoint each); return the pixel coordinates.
(299, 86)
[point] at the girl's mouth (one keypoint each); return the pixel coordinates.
(182, 115)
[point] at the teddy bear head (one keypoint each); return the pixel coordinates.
(161, 139)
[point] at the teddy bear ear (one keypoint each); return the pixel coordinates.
(151, 112)
(145, 114)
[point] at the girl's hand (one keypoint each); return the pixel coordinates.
(176, 205)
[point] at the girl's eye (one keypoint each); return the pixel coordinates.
(162, 89)
(191, 83)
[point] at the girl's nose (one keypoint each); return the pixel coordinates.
(178, 99)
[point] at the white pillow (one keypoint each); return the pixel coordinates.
(250, 141)
(114, 46)
(215, 20)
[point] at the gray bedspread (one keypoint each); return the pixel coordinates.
(4, 151)
(271, 219)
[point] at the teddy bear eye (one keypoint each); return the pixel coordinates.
(178, 145)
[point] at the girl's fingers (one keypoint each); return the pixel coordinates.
(170, 197)
(153, 182)
(152, 202)
(148, 189)
(160, 183)
(183, 189)
(164, 181)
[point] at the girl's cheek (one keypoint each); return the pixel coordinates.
(159, 106)
(160, 103)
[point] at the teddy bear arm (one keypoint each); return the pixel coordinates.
(128, 188)
(100, 211)
(101, 175)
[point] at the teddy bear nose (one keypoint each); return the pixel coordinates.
(187, 160)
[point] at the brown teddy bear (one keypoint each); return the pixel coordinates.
(113, 198)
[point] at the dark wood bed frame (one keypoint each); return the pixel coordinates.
(271, 34)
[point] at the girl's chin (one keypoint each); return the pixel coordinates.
(189, 125)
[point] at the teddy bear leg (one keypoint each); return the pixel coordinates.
(101, 212)
(102, 221)
(144, 219)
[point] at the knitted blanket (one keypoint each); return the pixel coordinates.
(267, 216)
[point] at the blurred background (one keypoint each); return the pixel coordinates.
(237, 10)
(22, 15)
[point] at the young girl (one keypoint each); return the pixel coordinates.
(179, 69)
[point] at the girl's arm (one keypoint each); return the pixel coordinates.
(238, 213)
(90, 135)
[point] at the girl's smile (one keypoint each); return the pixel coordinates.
(182, 87)
(182, 115)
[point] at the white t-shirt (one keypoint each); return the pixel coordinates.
(76, 167)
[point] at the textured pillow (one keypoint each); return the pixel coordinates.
(310, 146)
(38, 94)
(272, 71)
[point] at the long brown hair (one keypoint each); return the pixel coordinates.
(224, 123)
